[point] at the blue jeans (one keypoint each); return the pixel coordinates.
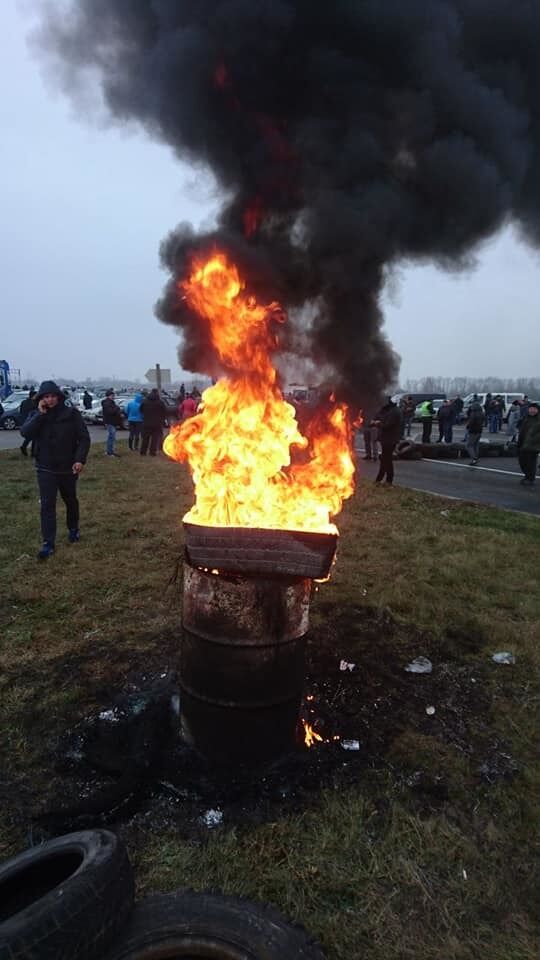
(111, 437)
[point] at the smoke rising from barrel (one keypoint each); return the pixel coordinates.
(347, 137)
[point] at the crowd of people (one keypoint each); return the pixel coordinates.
(60, 440)
(393, 422)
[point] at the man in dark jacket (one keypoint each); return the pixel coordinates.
(61, 444)
(154, 413)
(475, 425)
(112, 418)
(388, 421)
(25, 408)
(446, 418)
(87, 400)
(529, 445)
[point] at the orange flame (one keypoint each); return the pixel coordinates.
(310, 735)
(239, 445)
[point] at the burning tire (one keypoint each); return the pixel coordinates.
(67, 898)
(211, 927)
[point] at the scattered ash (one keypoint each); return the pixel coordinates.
(126, 762)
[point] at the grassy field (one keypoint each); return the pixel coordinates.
(429, 853)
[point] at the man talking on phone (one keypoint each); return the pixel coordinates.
(61, 444)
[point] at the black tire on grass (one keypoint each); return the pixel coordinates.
(66, 898)
(210, 926)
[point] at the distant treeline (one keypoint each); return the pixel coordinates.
(452, 386)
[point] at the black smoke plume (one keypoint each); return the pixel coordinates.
(348, 136)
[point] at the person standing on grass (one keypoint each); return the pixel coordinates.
(135, 421)
(25, 408)
(474, 427)
(154, 413)
(61, 444)
(112, 418)
(529, 445)
(388, 421)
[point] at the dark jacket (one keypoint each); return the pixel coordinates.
(446, 413)
(60, 437)
(111, 412)
(27, 406)
(154, 412)
(529, 434)
(475, 419)
(390, 428)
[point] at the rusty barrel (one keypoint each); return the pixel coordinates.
(242, 664)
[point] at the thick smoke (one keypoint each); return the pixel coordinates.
(348, 136)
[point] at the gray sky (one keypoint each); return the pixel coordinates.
(84, 210)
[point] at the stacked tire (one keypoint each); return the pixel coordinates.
(68, 898)
(72, 898)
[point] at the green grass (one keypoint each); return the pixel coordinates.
(378, 869)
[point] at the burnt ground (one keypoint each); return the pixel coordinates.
(124, 762)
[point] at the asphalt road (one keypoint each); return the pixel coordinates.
(495, 481)
(10, 439)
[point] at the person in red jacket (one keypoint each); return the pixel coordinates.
(188, 407)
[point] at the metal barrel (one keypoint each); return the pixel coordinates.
(242, 664)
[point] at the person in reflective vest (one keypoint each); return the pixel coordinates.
(426, 418)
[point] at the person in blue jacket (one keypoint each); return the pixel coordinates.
(135, 421)
(61, 443)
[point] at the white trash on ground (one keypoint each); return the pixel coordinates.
(430, 711)
(350, 744)
(504, 657)
(344, 665)
(419, 665)
(212, 818)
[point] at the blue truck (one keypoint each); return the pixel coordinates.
(5, 382)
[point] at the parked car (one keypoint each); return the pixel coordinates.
(12, 418)
(94, 414)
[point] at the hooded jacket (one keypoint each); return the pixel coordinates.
(475, 419)
(133, 409)
(60, 435)
(390, 428)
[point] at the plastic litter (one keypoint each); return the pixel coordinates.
(430, 711)
(350, 744)
(344, 665)
(111, 716)
(445, 513)
(212, 818)
(419, 665)
(504, 657)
